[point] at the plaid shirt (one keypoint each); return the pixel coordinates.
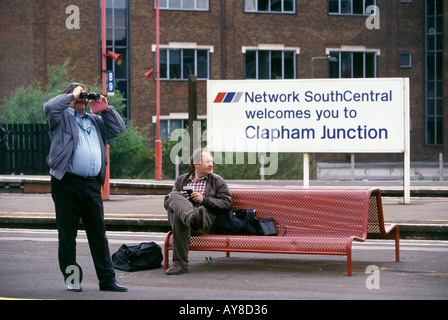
(199, 186)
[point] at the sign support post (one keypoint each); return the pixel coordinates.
(306, 170)
(407, 145)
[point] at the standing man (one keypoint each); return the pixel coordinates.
(77, 162)
(195, 213)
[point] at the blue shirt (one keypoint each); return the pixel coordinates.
(86, 161)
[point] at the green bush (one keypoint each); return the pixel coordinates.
(131, 154)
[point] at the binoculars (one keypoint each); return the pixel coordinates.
(89, 96)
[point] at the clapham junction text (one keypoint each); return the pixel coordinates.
(360, 132)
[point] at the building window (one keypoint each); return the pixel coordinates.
(169, 125)
(350, 7)
(178, 64)
(405, 60)
(175, 121)
(198, 5)
(353, 65)
(271, 6)
(117, 40)
(270, 64)
(434, 72)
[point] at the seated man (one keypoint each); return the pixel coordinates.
(195, 213)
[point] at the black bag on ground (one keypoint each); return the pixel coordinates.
(144, 256)
(238, 222)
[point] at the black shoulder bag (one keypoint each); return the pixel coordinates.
(237, 222)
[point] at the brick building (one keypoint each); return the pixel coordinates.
(245, 39)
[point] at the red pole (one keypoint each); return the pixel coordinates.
(103, 45)
(158, 144)
(105, 190)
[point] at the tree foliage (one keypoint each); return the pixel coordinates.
(131, 151)
(25, 104)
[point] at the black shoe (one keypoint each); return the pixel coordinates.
(114, 286)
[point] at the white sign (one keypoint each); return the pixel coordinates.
(308, 115)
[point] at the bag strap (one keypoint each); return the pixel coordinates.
(283, 226)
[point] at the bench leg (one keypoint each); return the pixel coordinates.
(397, 245)
(166, 260)
(166, 255)
(227, 254)
(349, 256)
(349, 263)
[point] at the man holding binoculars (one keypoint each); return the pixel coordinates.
(77, 161)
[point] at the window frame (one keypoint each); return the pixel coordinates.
(352, 51)
(172, 118)
(180, 8)
(256, 10)
(351, 13)
(434, 78)
(409, 55)
(121, 82)
(269, 49)
(172, 47)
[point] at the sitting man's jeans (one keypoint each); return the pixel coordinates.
(180, 210)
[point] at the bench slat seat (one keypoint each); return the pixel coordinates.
(312, 221)
(267, 244)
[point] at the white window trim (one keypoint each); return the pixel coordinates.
(176, 116)
(352, 49)
(182, 45)
(278, 47)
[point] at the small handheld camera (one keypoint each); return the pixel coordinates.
(189, 190)
(89, 96)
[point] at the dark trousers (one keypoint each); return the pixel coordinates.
(76, 199)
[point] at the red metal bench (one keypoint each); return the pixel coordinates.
(317, 221)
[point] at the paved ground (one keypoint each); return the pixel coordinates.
(29, 269)
(29, 261)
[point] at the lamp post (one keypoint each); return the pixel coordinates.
(148, 74)
(105, 190)
(158, 144)
(328, 58)
(306, 155)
